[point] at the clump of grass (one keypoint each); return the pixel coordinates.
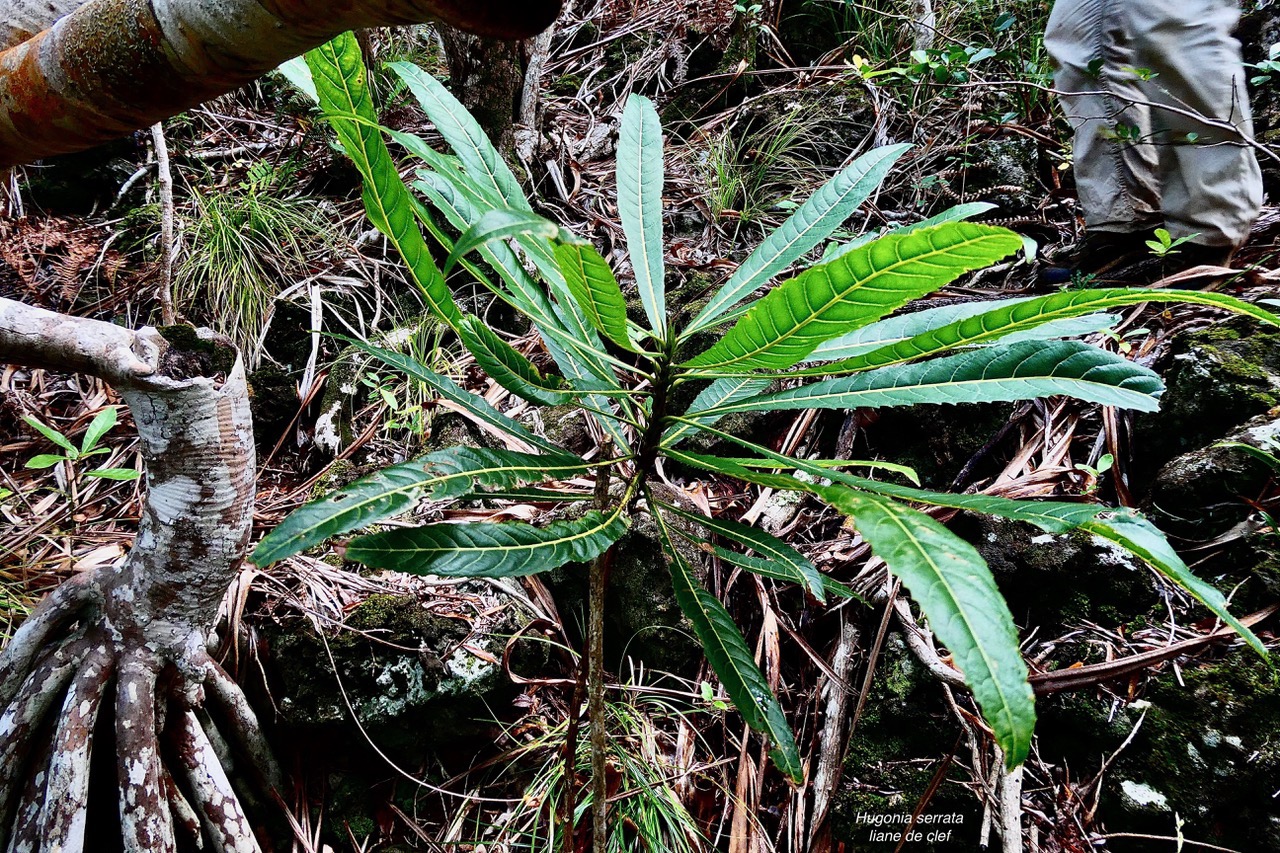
(646, 812)
(747, 175)
(245, 244)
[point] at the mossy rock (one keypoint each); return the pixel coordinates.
(1055, 581)
(1216, 380)
(1206, 751)
(1202, 494)
(273, 399)
(402, 667)
(895, 751)
(937, 441)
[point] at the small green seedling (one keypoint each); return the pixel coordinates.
(1093, 473)
(1123, 341)
(1267, 67)
(1164, 244)
(709, 696)
(98, 427)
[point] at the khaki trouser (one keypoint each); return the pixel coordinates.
(1135, 168)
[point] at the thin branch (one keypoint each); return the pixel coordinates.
(164, 179)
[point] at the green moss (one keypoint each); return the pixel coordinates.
(1215, 734)
(1217, 379)
(340, 472)
(212, 356)
(902, 736)
(273, 398)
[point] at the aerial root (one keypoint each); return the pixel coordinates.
(46, 741)
(215, 800)
(184, 816)
(227, 696)
(31, 640)
(22, 719)
(26, 826)
(66, 800)
(145, 823)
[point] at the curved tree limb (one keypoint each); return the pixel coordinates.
(113, 66)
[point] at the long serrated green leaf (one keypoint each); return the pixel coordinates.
(722, 392)
(509, 368)
(832, 299)
(492, 180)
(731, 659)
(1024, 315)
(1124, 527)
(640, 177)
(954, 587)
(448, 193)
(572, 343)
(788, 562)
(967, 210)
(770, 569)
(459, 128)
(1139, 536)
(811, 223)
(1019, 372)
(462, 210)
(490, 550)
(338, 71)
(447, 388)
(900, 327)
(440, 475)
(498, 224)
(593, 285)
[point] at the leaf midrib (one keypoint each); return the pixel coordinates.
(836, 299)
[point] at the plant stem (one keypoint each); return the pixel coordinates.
(569, 804)
(164, 178)
(599, 584)
(595, 703)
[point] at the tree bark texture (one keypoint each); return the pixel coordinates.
(113, 66)
(487, 76)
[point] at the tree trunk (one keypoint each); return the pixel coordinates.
(112, 66)
(148, 621)
(487, 76)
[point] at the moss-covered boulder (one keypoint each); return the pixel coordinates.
(1211, 496)
(1054, 581)
(1216, 379)
(1205, 752)
(415, 669)
(1202, 493)
(901, 738)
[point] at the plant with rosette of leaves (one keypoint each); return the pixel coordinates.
(819, 339)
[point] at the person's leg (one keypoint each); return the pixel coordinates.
(1115, 174)
(1212, 187)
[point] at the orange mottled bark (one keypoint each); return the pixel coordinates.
(114, 66)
